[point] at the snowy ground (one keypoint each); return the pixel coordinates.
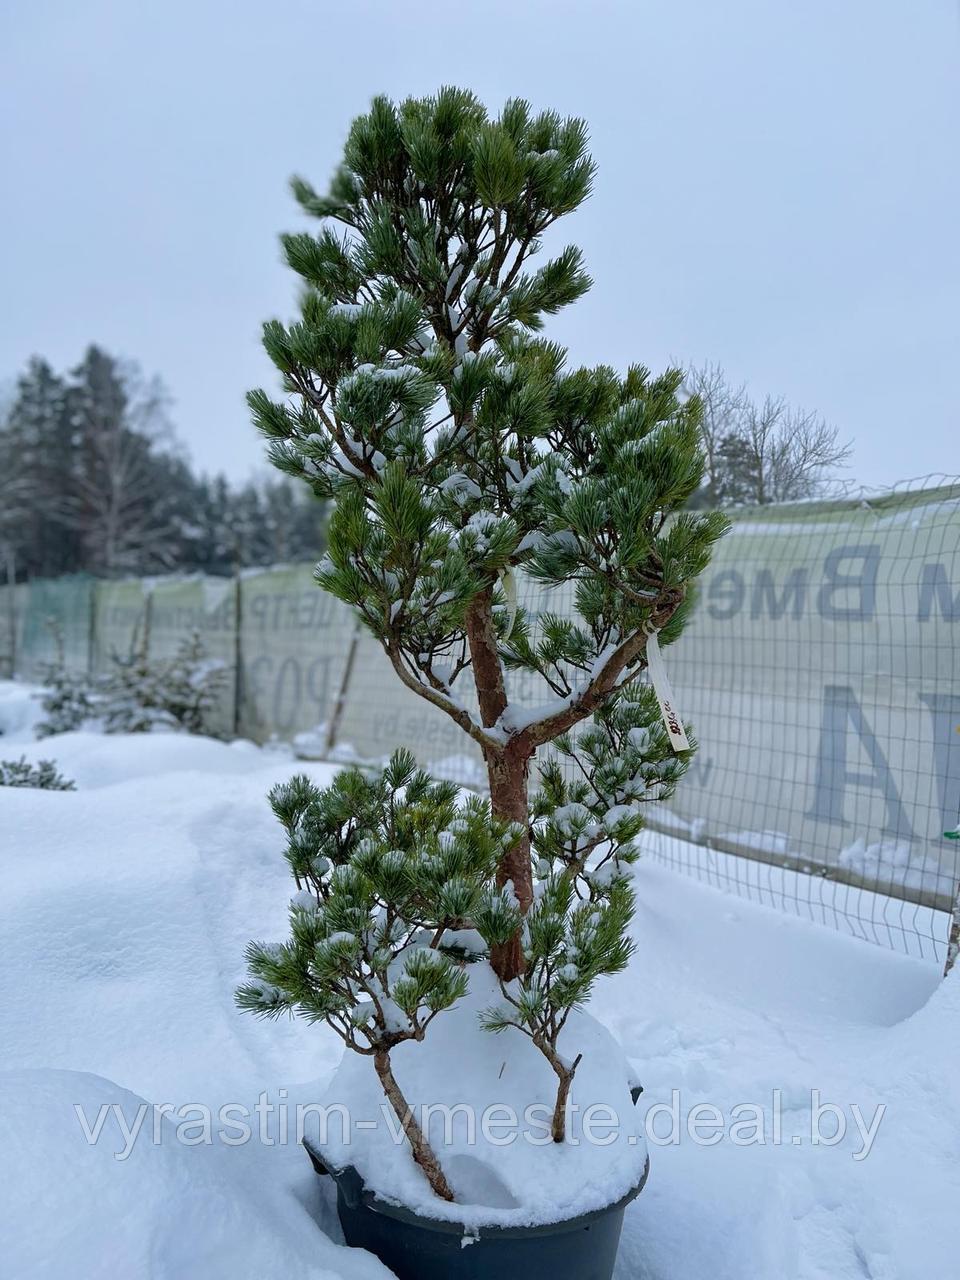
(125, 911)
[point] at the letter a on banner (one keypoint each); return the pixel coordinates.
(661, 687)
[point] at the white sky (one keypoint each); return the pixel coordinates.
(778, 187)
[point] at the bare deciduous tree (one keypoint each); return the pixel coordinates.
(760, 453)
(114, 501)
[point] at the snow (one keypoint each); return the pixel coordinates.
(126, 908)
(882, 862)
(466, 770)
(167, 1211)
(890, 862)
(538, 1181)
(20, 710)
(460, 486)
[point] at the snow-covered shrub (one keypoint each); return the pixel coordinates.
(70, 698)
(43, 775)
(137, 694)
(140, 693)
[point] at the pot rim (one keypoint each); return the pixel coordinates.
(361, 1195)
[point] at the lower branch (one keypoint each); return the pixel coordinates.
(455, 712)
(422, 1151)
(565, 1074)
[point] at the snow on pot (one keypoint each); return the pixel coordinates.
(416, 1247)
(485, 1104)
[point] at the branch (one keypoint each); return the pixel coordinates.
(603, 684)
(487, 740)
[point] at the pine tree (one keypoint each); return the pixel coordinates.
(223, 551)
(458, 447)
(91, 481)
(139, 693)
(70, 698)
(117, 500)
(37, 457)
(192, 684)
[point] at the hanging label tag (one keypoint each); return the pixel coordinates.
(661, 687)
(509, 584)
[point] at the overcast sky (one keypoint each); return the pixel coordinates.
(778, 187)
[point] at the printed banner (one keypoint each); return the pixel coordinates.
(820, 674)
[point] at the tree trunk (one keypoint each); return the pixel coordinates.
(10, 557)
(565, 1074)
(485, 658)
(507, 771)
(422, 1151)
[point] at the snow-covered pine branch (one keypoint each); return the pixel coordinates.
(385, 867)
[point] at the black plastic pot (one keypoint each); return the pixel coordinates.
(419, 1248)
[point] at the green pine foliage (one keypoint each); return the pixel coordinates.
(568, 944)
(192, 685)
(132, 695)
(457, 445)
(44, 775)
(70, 698)
(588, 810)
(69, 701)
(384, 865)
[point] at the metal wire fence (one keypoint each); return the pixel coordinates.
(820, 671)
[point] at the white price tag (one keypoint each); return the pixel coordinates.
(661, 687)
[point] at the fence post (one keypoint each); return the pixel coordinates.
(92, 630)
(953, 938)
(237, 653)
(336, 715)
(12, 607)
(953, 942)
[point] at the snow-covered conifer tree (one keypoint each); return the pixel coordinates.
(460, 447)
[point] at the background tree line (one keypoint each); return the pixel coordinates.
(93, 480)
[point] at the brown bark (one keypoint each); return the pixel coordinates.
(558, 1126)
(422, 1151)
(508, 757)
(458, 714)
(507, 771)
(487, 671)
